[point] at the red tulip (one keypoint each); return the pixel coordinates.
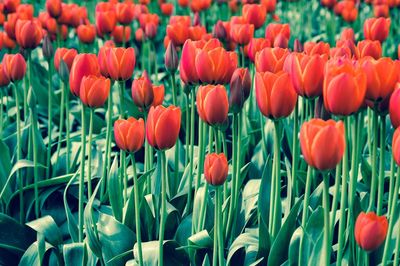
(67, 55)
(83, 65)
(276, 97)
(162, 126)
(8, 42)
(86, 33)
(369, 48)
(278, 34)
(254, 14)
(105, 22)
(320, 48)
(25, 12)
(125, 13)
(29, 33)
(4, 80)
(178, 33)
(370, 230)
(196, 32)
(158, 93)
(120, 63)
(240, 87)
(381, 10)
(54, 8)
(347, 35)
(394, 110)
(396, 146)
(167, 9)
(129, 134)
(242, 33)
(14, 66)
(376, 29)
(199, 5)
(10, 6)
(271, 59)
(142, 92)
(256, 45)
(187, 68)
(212, 104)
(94, 91)
(9, 25)
(322, 143)
(216, 169)
(119, 32)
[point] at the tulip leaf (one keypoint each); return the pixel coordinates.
(115, 190)
(48, 228)
(74, 254)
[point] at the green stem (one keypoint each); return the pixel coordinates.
(187, 129)
(137, 210)
(19, 157)
(163, 207)
(50, 117)
(176, 150)
(381, 183)
(397, 248)
(61, 125)
(89, 166)
(327, 246)
(121, 99)
(124, 176)
(67, 127)
(216, 223)
(35, 162)
(191, 162)
(201, 153)
(391, 182)
(277, 177)
(82, 175)
(335, 198)
(374, 161)
(147, 159)
(219, 226)
(106, 163)
(263, 145)
(306, 197)
(295, 150)
(1, 113)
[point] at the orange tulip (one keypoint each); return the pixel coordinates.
(278, 34)
(370, 230)
(167, 9)
(199, 5)
(187, 67)
(376, 29)
(322, 143)
(158, 93)
(129, 134)
(25, 12)
(381, 10)
(396, 146)
(118, 33)
(212, 104)
(216, 169)
(369, 48)
(105, 22)
(9, 25)
(347, 35)
(271, 59)
(54, 8)
(254, 14)
(142, 92)
(29, 33)
(320, 48)
(178, 33)
(8, 42)
(86, 33)
(4, 80)
(67, 55)
(275, 95)
(344, 87)
(196, 32)
(125, 13)
(256, 45)
(242, 33)
(394, 110)
(328, 3)
(94, 91)
(306, 73)
(14, 66)
(83, 65)
(162, 126)
(120, 63)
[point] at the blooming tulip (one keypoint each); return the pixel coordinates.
(178, 33)
(94, 91)
(394, 110)
(86, 33)
(369, 48)
(320, 48)
(14, 66)
(120, 63)
(254, 14)
(376, 29)
(67, 55)
(83, 65)
(212, 104)
(370, 230)
(278, 34)
(242, 33)
(255, 45)
(28, 33)
(4, 80)
(322, 143)
(54, 8)
(129, 134)
(162, 126)
(216, 169)
(271, 59)
(142, 92)
(275, 94)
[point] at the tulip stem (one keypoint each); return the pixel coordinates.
(327, 247)
(61, 125)
(50, 117)
(163, 207)
(1, 113)
(201, 153)
(391, 183)
(216, 227)
(263, 145)
(89, 166)
(35, 160)
(67, 127)
(137, 209)
(277, 188)
(108, 142)
(295, 151)
(187, 129)
(176, 149)
(192, 121)
(19, 156)
(82, 175)
(306, 197)
(381, 165)
(121, 98)
(374, 161)
(335, 198)
(218, 212)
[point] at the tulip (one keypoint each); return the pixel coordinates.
(7, 41)
(145, 19)
(275, 94)
(381, 10)
(278, 34)
(94, 91)
(271, 59)
(25, 12)
(199, 5)
(125, 13)
(171, 59)
(240, 87)
(14, 66)
(67, 55)
(178, 33)
(382, 76)
(102, 60)
(121, 34)
(256, 45)
(142, 92)
(219, 31)
(83, 65)
(158, 93)
(254, 14)
(197, 32)
(242, 33)
(9, 25)
(10, 6)
(187, 68)
(86, 33)
(347, 35)
(376, 29)
(28, 33)
(105, 22)
(129, 134)
(396, 146)
(370, 230)
(344, 87)
(394, 110)
(4, 80)
(139, 33)
(320, 48)
(212, 104)
(306, 73)
(322, 143)
(167, 9)
(162, 126)
(54, 8)
(120, 63)
(216, 169)
(369, 48)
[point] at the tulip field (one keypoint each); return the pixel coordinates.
(200, 132)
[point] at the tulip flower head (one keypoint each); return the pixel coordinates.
(129, 134)
(271, 59)
(212, 104)
(370, 230)
(4, 80)
(240, 87)
(394, 110)
(28, 33)
(86, 33)
(376, 29)
(142, 92)
(216, 169)
(67, 55)
(94, 91)
(83, 65)
(396, 146)
(14, 66)
(120, 63)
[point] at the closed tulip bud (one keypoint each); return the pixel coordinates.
(94, 91)
(298, 47)
(125, 13)
(306, 73)
(240, 87)
(10, 6)
(29, 33)
(320, 111)
(4, 80)
(67, 55)
(212, 104)
(396, 146)
(14, 66)
(196, 19)
(102, 59)
(242, 33)
(86, 33)
(381, 10)
(25, 12)
(63, 71)
(83, 65)
(31, 99)
(347, 35)
(47, 48)
(369, 48)
(105, 22)
(139, 33)
(54, 8)
(216, 169)
(9, 25)
(142, 92)
(150, 30)
(320, 48)
(171, 59)
(370, 230)
(322, 143)
(129, 134)
(394, 110)
(271, 59)
(376, 29)
(162, 126)
(275, 95)
(219, 31)
(382, 76)
(344, 87)
(187, 67)
(254, 14)
(120, 63)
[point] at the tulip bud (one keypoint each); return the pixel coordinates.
(219, 31)
(142, 92)
(129, 134)
(376, 28)
(54, 8)
(4, 80)
(240, 86)
(28, 33)
(216, 169)
(396, 146)
(150, 30)
(32, 99)
(120, 63)
(83, 65)
(196, 19)
(320, 111)
(394, 110)
(63, 71)
(298, 47)
(370, 230)
(171, 59)
(47, 48)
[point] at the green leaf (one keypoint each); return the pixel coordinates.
(115, 191)
(243, 250)
(5, 168)
(294, 246)
(48, 228)
(74, 254)
(35, 253)
(172, 255)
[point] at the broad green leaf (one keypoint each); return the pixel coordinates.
(74, 254)
(47, 227)
(71, 221)
(115, 191)
(244, 248)
(172, 255)
(5, 168)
